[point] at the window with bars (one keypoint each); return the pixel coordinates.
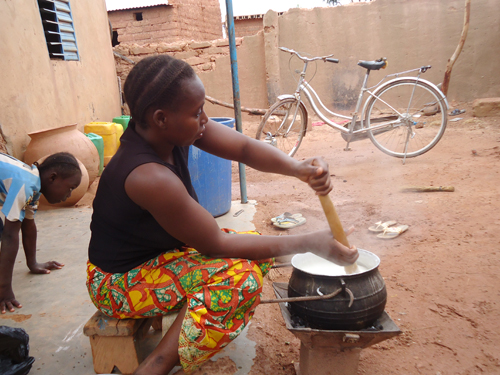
(58, 28)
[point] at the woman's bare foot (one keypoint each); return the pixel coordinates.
(165, 356)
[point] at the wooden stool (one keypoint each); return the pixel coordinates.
(114, 342)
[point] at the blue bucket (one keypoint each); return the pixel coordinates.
(211, 176)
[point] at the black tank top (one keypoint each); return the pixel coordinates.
(123, 234)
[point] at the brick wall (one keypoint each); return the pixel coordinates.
(200, 20)
(265, 71)
(182, 20)
(201, 55)
(212, 63)
(248, 26)
(158, 23)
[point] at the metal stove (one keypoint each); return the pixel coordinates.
(332, 352)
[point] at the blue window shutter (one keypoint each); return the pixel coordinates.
(66, 29)
(59, 30)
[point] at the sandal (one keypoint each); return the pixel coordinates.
(287, 220)
(457, 112)
(392, 232)
(285, 215)
(380, 227)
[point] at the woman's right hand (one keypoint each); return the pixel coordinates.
(329, 248)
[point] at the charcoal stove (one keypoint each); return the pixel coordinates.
(332, 352)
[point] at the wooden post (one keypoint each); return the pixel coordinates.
(426, 189)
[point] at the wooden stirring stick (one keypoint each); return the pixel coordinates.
(336, 228)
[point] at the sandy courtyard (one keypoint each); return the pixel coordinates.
(441, 275)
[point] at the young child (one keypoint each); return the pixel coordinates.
(154, 249)
(20, 189)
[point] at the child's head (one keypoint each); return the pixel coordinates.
(60, 174)
(155, 81)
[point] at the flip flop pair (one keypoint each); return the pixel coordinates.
(387, 229)
(287, 220)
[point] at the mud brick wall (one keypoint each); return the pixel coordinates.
(199, 20)
(158, 22)
(201, 55)
(430, 37)
(248, 25)
(182, 20)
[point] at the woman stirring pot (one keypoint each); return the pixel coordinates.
(155, 250)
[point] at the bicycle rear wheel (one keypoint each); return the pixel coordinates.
(406, 117)
(284, 125)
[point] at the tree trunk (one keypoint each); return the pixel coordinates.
(252, 111)
(451, 61)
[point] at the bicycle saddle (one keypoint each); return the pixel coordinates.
(373, 65)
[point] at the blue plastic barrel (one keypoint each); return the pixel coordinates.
(211, 176)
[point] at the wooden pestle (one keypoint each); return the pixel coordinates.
(336, 227)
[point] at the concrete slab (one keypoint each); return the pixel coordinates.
(239, 217)
(56, 306)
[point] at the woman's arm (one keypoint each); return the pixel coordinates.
(230, 144)
(157, 189)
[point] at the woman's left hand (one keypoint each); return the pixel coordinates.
(315, 172)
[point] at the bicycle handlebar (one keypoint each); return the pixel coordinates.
(324, 58)
(328, 58)
(336, 61)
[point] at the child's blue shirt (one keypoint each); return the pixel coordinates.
(19, 189)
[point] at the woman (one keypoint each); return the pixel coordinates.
(147, 222)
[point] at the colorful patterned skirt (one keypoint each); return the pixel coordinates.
(221, 294)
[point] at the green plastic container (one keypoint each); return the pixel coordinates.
(99, 144)
(123, 120)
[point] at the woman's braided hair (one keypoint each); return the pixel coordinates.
(63, 163)
(155, 80)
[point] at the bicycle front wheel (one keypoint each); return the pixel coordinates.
(284, 125)
(406, 118)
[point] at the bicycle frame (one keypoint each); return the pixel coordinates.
(389, 113)
(314, 101)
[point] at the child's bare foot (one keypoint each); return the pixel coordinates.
(41, 268)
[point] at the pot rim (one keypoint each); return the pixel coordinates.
(35, 133)
(306, 261)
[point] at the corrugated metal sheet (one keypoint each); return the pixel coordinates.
(132, 4)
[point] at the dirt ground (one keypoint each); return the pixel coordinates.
(441, 274)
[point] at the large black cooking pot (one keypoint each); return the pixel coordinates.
(359, 303)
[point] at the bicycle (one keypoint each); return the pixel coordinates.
(403, 117)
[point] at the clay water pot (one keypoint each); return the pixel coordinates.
(359, 304)
(76, 194)
(64, 139)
